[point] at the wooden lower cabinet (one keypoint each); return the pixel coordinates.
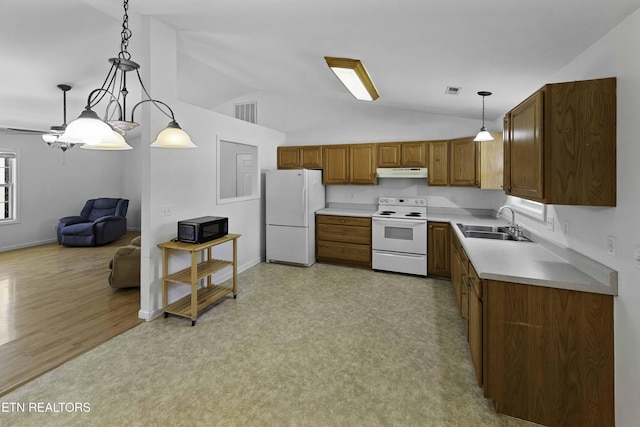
(438, 249)
(456, 268)
(343, 239)
(548, 354)
(541, 354)
(475, 322)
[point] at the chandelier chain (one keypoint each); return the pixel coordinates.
(125, 35)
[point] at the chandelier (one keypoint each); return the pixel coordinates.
(108, 133)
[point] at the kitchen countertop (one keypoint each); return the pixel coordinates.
(349, 210)
(538, 263)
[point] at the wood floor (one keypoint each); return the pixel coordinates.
(55, 304)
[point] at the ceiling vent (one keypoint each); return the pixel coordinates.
(247, 112)
(452, 90)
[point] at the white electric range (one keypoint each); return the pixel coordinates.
(399, 235)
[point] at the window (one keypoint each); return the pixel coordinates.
(528, 207)
(7, 186)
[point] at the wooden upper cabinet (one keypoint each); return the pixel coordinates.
(489, 163)
(411, 154)
(414, 154)
(288, 157)
(335, 160)
(462, 162)
(349, 164)
(362, 164)
(311, 156)
(300, 157)
(438, 163)
(524, 140)
(560, 144)
(389, 154)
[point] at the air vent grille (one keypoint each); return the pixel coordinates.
(247, 112)
(453, 90)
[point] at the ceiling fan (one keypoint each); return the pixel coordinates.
(51, 137)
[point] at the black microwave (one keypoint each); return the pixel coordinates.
(203, 229)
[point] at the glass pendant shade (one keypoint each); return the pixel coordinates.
(49, 138)
(115, 142)
(173, 137)
(483, 135)
(87, 129)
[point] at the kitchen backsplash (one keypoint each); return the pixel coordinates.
(447, 197)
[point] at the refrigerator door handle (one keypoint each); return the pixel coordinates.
(304, 197)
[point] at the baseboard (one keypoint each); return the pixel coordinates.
(148, 316)
(27, 245)
(228, 273)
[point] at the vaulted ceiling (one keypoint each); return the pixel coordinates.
(413, 50)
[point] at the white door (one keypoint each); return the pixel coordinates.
(244, 174)
(286, 195)
(290, 245)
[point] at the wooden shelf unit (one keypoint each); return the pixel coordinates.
(199, 299)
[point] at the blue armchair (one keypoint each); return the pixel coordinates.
(100, 221)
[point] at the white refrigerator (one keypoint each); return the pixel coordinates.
(292, 198)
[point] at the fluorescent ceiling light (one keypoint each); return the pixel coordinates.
(354, 77)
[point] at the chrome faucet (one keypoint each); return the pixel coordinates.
(512, 224)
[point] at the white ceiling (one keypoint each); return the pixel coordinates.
(413, 49)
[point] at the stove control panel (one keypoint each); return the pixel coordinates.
(402, 201)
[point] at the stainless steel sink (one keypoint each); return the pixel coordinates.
(490, 232)
(483, 228)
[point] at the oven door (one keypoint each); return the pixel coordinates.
(399, 235)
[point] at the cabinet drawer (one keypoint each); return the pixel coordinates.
(344, 233)
(345, 252)
(344, 220)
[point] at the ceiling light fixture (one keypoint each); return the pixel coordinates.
(107, 133)
(354, 77)
(483, 135)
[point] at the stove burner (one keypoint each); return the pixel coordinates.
(386, 213)
(414, 214)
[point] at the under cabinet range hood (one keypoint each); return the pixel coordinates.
(401, 172)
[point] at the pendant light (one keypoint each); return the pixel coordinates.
(483, 135)
(98, 134)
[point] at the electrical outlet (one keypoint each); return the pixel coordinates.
(611, 245)
(565, 227)
(165, 211)
(550, 223)
(636, 256)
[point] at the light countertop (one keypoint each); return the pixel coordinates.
(537, 263)
(349, 210)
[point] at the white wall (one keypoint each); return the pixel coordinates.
(51, 186)
(440, 197)
(185, 180)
